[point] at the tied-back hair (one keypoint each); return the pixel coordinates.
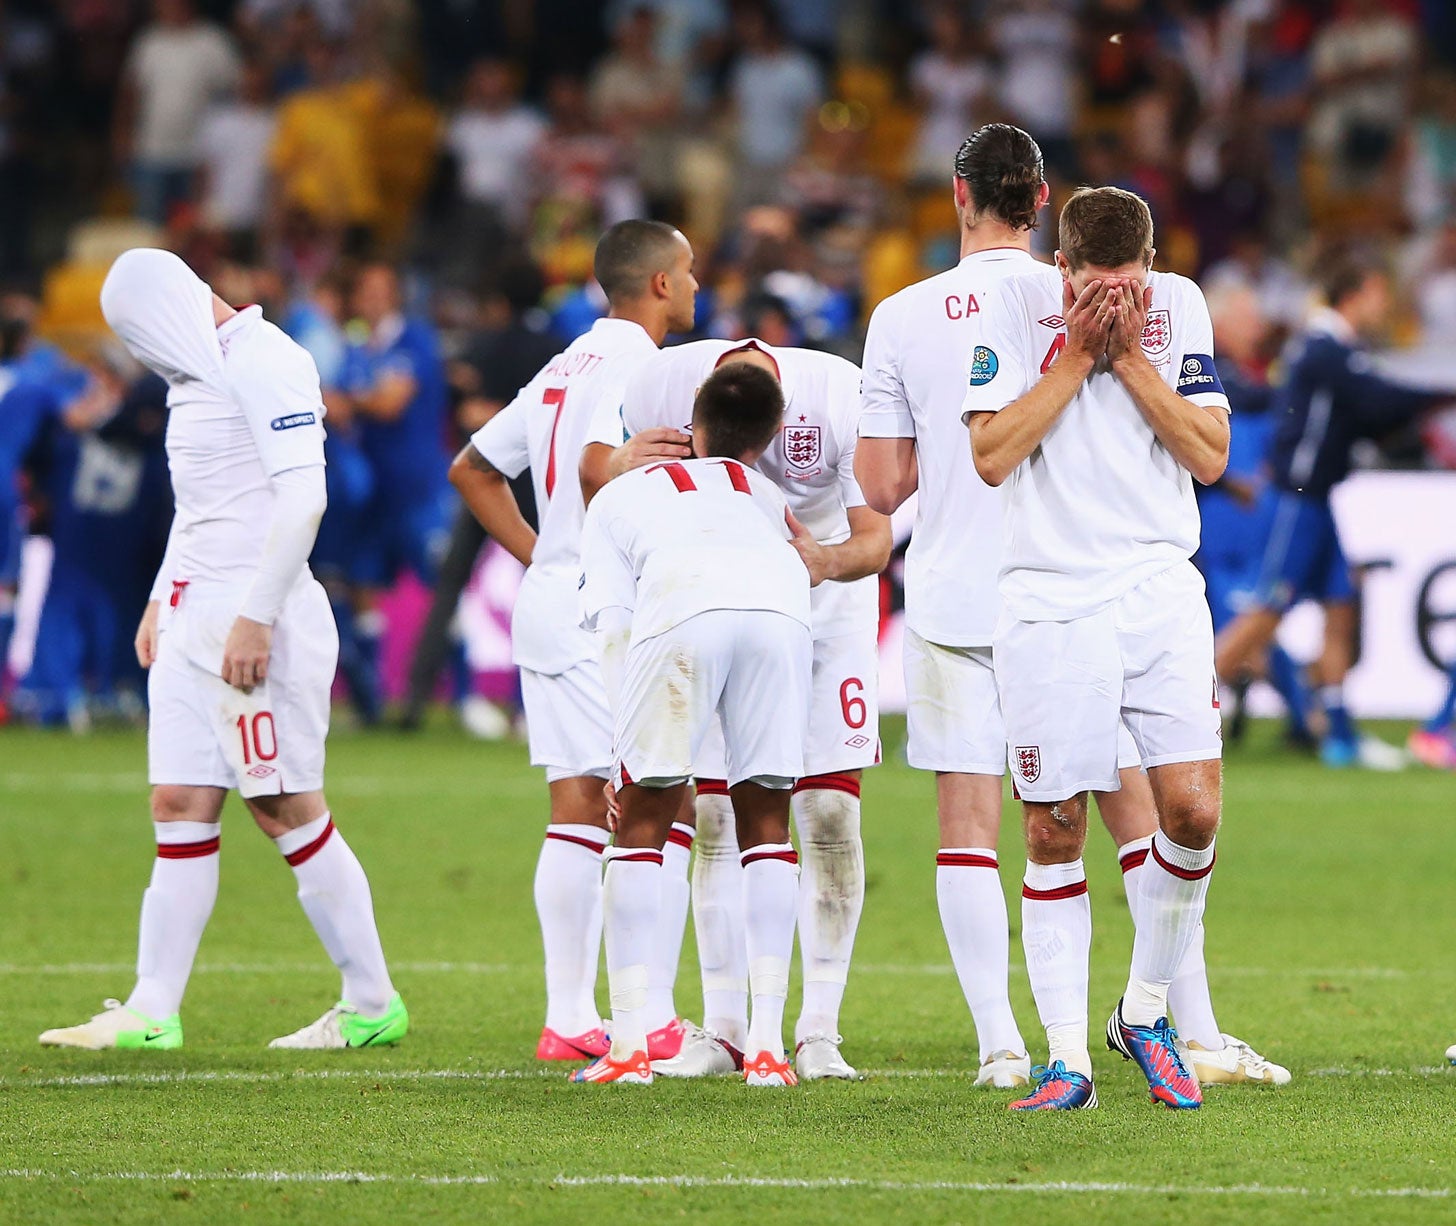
(1002, 166)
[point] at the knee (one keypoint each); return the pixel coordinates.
(717, 833)
(827, 817)
(1191, 823)
(173, 803)
(1055, 834)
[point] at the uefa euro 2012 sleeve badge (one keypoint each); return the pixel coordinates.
(984, 366)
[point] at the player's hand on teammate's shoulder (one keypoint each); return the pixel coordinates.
(146, 635)
(245, 654)
(1124, 340)
(654, 446)
(814, 556)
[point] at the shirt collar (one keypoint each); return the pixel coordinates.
(624, 327)
(234, 322)
(992, 255)
(776, 356)
(1332, 323)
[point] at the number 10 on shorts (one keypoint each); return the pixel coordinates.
(260, 739)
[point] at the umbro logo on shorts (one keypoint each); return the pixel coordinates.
(858, 741)
(262, 772)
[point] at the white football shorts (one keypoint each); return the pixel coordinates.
(750, 668)
(568, 721)
(844, 710)
(1068, 687)
(269, 741)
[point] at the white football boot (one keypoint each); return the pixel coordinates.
(1236, 1064)
(703, 1054)
(344, 1026)
(118, 1026)
(1377, 755)
(817, 1058)
(1004, 1070)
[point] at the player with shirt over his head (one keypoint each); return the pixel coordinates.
(689, 577)
(1101, 434)
(646, 270)
(242, 650)
(914, 368)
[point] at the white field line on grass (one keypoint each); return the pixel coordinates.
(502, 968)
(1058, 1188)
(264, 1076)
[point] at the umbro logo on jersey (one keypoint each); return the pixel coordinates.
(292, 420)
(1053, 322)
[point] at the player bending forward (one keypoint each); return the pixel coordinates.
(811, 461)
(914, 366)
(242, 649)
(1104, 618)
(703, 604)
(646, 271)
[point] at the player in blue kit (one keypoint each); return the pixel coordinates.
(1332, 398)
(395, 379)
(100, 470)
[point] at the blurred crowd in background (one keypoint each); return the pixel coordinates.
(414, 190)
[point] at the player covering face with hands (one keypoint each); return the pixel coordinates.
(241, 647)
(1100, 435)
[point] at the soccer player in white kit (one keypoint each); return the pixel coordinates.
(848, 544)
(242, 648)
(911, 439)
(646, 271)
(688, 573)
(1093, 391)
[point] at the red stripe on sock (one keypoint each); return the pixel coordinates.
(578, 840)
(680, 838)
(1133, 859)
(960, 859)
(188, 851)
(828, 783)
(752, 857)
(643, 855)
(1183, 874)
(1075, 890)
(711, 787)
(304, 854)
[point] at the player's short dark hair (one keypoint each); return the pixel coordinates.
(1002, 166)
(1106, 227)
(630, 254)
(737, 411)
(1345, 273)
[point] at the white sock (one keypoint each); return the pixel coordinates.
(831, 896)
(1170, 908)
(175, 910)
(718, 918)
(662, 969)
(334, 894)
(1188, 996)
(770, 900)
(569, 907)
(631, 908)
(1056, 931)
(973, 914)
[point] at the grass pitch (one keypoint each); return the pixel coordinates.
(1329, 937)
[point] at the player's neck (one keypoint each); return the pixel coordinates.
(651, 322)
(988, 235)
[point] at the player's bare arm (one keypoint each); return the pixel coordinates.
(146, 635)
(888, 472)
(600, 463)
(1196, 435)
(487, 493)
(866, 552)
(1001, 441)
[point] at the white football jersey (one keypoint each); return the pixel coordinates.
(1101, 505)
(545, 428)
(670, 541)
(226, 436)
(811, 460)
(914, 382)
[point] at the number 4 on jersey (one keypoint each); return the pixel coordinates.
(1057, 346)
(684, 481)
